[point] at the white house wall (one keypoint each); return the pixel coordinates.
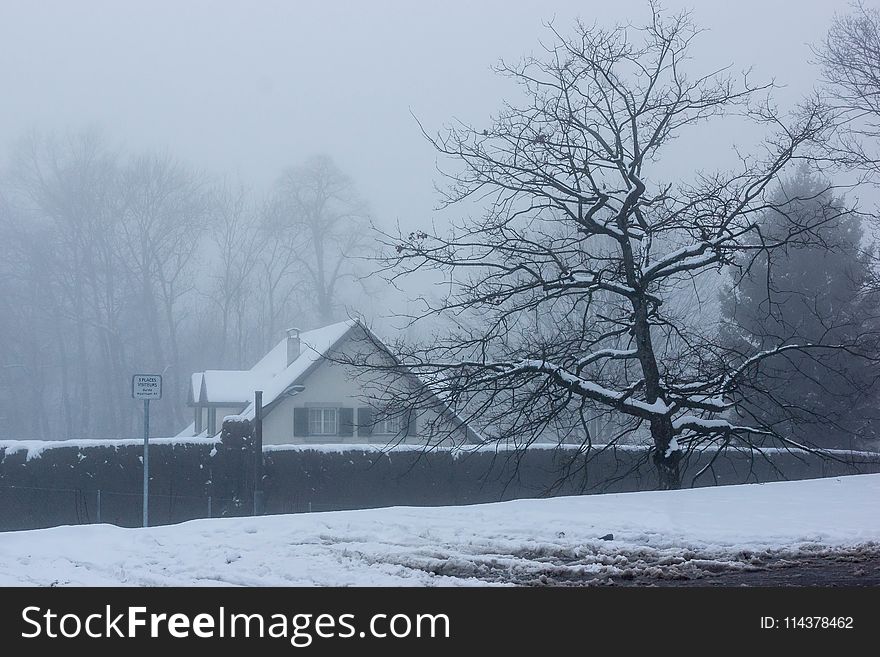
(222, 411)
(335, 385)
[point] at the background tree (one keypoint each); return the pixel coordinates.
(579, 219)
(850, 60)
(318, 211)
(115, 262)
(816, 293)
(240, 245)
(99, 253)
(25, 332)
(164, 215)
(67, 189)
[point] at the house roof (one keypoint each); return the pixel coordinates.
(271, 374)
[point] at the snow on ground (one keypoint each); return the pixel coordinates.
(685, 532)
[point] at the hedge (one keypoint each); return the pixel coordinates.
(60, 483)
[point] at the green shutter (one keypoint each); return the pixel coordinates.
(411, 428)
(346, 421)
(365, 421)
(300, 422)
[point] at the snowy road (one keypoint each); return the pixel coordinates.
(686, 534)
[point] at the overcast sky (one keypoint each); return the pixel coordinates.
(250, 87)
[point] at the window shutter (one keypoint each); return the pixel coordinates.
(300, 421)
(365, 421)
(346, 421)
(409, 419)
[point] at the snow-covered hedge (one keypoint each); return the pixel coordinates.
(52, 483)
(45, 484)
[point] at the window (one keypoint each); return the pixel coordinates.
(388, 426)
(323, 422)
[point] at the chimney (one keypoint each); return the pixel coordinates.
(292, 345)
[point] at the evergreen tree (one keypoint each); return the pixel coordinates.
(812, 290)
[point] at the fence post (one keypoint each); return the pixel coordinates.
(257, 441)
(310, 507)
(209, 507)
(98, 505)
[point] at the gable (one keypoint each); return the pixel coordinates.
(329, 383)
(324, 378)
(271, 373)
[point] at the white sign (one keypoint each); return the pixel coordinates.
(146, 386)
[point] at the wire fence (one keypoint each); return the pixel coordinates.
(34, 507)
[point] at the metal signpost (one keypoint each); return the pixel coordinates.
(258, 452)
(146, 387)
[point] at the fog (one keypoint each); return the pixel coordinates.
(231, 105)
(249, 88)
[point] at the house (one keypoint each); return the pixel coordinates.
(311, 396)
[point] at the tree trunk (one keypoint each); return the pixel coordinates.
(662, 433)
(66, 408)
(175, 387)
(84, 426)
(665, 461)
(152, 314)
(323, 302)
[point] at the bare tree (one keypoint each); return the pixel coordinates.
(317, 208)
(850, 60)
(26, 371)
(280, 286)
(67, 188)
(165, 213)
(240, 249)
(580, 224)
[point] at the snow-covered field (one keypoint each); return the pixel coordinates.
(685, 533)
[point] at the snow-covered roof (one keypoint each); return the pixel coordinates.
(274, 376)
(314, 345)
(271, 374)
(195, 386)
(230, 386)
